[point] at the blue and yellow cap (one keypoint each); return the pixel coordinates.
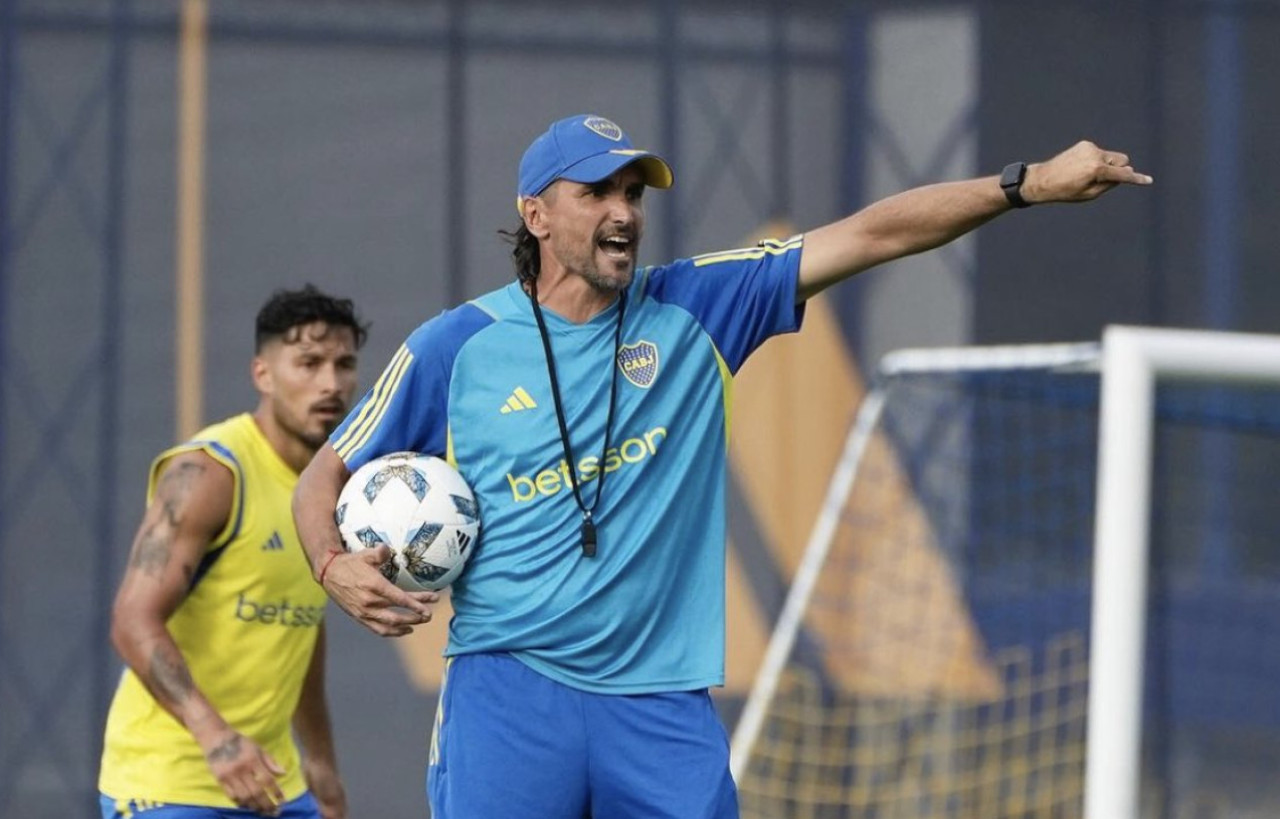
(585, 148)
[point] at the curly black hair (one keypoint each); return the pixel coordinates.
(288, 309)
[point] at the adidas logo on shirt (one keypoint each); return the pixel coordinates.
(274, 543)
(519, 401)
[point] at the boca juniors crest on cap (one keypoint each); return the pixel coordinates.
(639, 362)
(604, 127)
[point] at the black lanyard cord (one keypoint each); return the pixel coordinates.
(588, 523)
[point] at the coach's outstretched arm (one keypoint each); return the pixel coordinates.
(927, 217)
(351, 579)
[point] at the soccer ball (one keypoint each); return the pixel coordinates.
(419, 506)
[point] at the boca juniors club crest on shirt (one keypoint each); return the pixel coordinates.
(639, 362)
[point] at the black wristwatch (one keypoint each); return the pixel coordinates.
(1011, 179)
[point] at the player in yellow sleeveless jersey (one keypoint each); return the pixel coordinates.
(218, 617)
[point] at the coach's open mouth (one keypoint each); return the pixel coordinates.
(617, 247)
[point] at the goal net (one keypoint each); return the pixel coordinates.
(945, 640)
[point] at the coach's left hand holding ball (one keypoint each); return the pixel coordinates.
(354, 581)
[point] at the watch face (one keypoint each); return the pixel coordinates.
(1012, 174)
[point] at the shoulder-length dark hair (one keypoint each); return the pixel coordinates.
(524, 252)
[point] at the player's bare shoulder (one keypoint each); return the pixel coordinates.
(190, 505)
(194, 483)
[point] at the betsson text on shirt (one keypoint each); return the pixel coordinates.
(282, 614)
(553, 480)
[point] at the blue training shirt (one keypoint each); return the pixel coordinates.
(647, 613)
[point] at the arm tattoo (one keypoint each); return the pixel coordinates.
(170, 677)
(153, 550)
(227, 750)
(151, 554)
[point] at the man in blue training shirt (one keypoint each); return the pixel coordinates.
(587, 404)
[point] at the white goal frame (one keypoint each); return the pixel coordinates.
(1131, 360)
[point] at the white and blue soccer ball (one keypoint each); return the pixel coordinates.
(419, 506)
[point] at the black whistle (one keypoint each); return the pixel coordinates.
(588, 538)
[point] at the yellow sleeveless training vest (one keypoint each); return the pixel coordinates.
(247, 630)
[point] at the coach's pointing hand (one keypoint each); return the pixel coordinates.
(1081, 173)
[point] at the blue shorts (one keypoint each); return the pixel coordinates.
(509, 741)
(304, 807)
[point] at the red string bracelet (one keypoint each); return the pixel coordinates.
(332, 554)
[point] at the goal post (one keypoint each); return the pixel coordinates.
(965, 633)
(1133, 360)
